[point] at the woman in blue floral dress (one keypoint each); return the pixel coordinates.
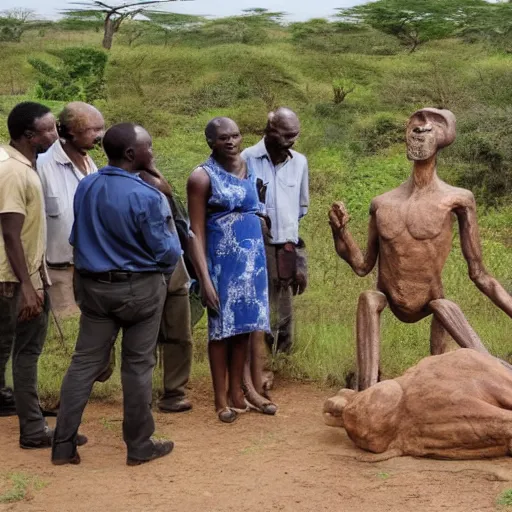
(229, 257)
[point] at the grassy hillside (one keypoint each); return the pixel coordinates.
(355, 150)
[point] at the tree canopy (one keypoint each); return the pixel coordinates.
(112, 15)
(414, 22)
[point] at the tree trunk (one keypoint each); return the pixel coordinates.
(108, 34)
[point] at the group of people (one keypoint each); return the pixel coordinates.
(115, 243)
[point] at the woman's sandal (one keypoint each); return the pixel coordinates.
(268, 408)
(247, 408)
(227, 415)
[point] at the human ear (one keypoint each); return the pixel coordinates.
(129, 154)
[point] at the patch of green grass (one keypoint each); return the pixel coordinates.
(505, 498)
(383, 475)
(19, 484)
(113, 425)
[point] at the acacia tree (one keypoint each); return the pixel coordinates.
(493, 23)
(168, 24)
(414, 22)
(113, 15)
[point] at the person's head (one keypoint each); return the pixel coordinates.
(81, 125)
(223, 136)
(428, 131)
(282, 130)
(128, 146)
(34, 124)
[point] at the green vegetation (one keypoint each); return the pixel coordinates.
(505, 498)
(17, 485)
(79, 77)
(355, 150)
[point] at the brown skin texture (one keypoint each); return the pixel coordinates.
(229, 356)
(85, 127)
(37, 140)
(410, 233)
(452, 406)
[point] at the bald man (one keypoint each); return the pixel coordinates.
(61, 169)
(283, 186)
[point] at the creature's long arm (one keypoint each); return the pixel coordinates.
(472, 251)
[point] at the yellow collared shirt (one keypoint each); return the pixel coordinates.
(21, 192)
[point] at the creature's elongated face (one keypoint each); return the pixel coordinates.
(429, 130)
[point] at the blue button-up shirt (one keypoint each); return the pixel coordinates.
(287, 196)
(121, 223)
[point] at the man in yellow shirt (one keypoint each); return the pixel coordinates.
(24, 303)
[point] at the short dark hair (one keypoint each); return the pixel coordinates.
(210, 131)
(118, 139)
(23, 116)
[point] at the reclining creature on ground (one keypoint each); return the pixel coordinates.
(456, 405)
(410, 234)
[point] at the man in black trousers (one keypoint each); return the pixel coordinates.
(124, 255)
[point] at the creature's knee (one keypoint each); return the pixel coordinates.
(372, 300)
(445, 306)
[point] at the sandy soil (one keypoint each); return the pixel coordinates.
(290, 462)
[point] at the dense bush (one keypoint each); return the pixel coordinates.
(80, 75)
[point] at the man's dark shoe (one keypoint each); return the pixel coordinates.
(160, 449)
(45, 440)
(173, 405)
(72, 460)
(7, 403)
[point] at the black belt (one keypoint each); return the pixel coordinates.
(116, 276)
(59, 266)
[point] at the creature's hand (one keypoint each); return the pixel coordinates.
(338, 216)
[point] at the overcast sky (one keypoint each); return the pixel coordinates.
(298, 9)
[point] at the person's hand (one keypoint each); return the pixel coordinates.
(338, 216)
(31, 302)
(300, 283)
(209, 296)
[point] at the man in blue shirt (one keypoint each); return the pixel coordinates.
(124, 255)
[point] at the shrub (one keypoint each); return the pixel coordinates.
(379, 133)
(80, 75)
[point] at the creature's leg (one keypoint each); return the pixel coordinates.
(438, 337)
(453, 320)
(369, 308)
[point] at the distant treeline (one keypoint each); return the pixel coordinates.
(410, 23)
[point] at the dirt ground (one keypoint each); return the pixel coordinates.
(290, 462)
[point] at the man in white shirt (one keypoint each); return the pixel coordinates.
(61, 169)
(283, 186)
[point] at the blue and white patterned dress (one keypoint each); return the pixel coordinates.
(235, 254)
